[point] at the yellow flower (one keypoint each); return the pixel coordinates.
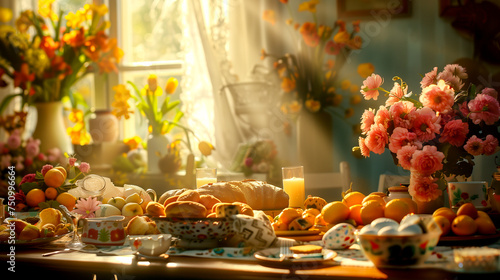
(5, 14)
(295, 107)
(45, 9)
(345, 84)
(205, 148)
(100, 10)
(38, 60)
(313, 105)
(132, 142)
(309, 6)
(365, 69)
(356, 99)
(75, 20)
(153, 82)
(171, 85)
(76, 115)
(120, 105)
(342, 37)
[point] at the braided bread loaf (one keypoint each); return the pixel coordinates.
(257, 194)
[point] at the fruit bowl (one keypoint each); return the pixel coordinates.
(196, 232)
(399, 250)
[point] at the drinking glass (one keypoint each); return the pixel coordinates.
(293, 185)
(205, 176)
(76, 242)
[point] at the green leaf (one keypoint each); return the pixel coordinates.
(26, 187)
(6, 101)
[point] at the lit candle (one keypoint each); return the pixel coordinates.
(295, 189)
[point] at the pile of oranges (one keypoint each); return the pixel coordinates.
(51, 191)
(467, 221)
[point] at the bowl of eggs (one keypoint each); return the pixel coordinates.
(388, 243)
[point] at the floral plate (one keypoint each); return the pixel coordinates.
(271, 257)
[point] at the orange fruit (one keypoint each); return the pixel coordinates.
(443, 223)
(396, 209)
(35, 196)
(63, 171)
(353, 198)
(355, 213)
(319, 221)
(467, 209)
(375, 197)
(54, 178)
(288, 215)
(485, 225)
(67, 200)
(371, 210)
(464, 225)
(335, 212)
(445, 212)
(412, 204)
(51, 193)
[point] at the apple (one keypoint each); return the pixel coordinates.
(117, 201)
(132, 209)
(106, 210)
(135, 197)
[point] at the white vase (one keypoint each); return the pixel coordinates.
(157, 148)
(50, 127)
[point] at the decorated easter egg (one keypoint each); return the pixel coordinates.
(340, 236)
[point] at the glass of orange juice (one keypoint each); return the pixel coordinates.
(205, 176)
(293, 185)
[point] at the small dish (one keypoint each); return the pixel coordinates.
(150, 245)
(271, 257)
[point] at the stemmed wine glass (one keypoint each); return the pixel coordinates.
(76, 242)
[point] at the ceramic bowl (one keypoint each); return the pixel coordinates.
(397, 250)
(150, 245)
(195, 232)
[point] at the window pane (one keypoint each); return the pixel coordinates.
(151, 31)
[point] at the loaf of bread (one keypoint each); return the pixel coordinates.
(185, 209)
(259, 195)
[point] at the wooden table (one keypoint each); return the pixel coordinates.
(78, 265)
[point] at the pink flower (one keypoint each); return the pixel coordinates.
(363, 148)
(439, 98)
(54, 155)
(46, 168)
(455, 132)
(32, 147)
(5, 161)
(427, 161)
(464, 109)
(84, 167)
(14, 140)
(377, 138)
(451, 80)
(28, 178)
(396, 94)
(87, 207)
(71, 161)
(490, 145)
(401, 137)
(370, 86)
(382, 117)
(400, 113)
(429, 78)
(484, 108)
(425, 124)
(474, 146)
(491, 92)
(456, 70)
(404, 156)
(423, 188)
(367, 119)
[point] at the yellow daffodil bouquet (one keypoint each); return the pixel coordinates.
(309, 77)
(47, 53)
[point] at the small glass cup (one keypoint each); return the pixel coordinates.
(93, 185)
(205, 176)
(293, 185)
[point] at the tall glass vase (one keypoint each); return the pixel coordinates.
(50, 127)
(157, 148)
(315, 142)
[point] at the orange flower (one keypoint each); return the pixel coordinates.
(309, 34)
(171, 85)
(269, 16)
(365, 69)
(309, 6)
(49, 46)
(313, 105)
(23, 76)
(287, 84)
(342, 37)
(75, 38)
(133, 142)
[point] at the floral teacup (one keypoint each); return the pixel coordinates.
(474, 192)
(106, 231)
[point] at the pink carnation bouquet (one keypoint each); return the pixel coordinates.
(435, 135)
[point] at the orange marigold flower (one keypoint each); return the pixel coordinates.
(75, 38)
(309, 33)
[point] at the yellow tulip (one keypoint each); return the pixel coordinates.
(205, 148)
(171, 86)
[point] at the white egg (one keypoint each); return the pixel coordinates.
(383, 222)
(410, 219)
(368, 229)
(388, 230)
(409, 229)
